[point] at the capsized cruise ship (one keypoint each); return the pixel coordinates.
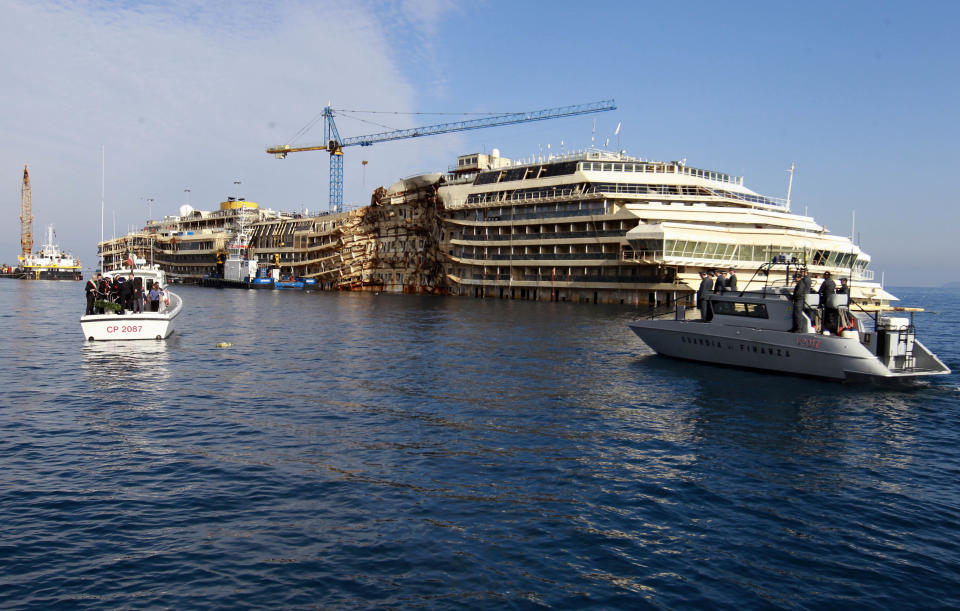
(602, 226)
(593, 226)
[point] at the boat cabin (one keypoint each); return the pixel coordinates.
(773, 310)
(151, 274)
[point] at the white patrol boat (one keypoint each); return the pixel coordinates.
(751, 329)
(126, 325)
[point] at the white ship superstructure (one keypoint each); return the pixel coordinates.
(192, 245)
(605, 227)
(50, 262)
(239, 266)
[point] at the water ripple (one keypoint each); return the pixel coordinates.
(399, 451)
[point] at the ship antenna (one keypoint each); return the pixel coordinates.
(102, 185)
(790, 185)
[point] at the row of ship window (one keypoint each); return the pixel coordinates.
(287, 227)
(657, 168)
(528, 172)
(488, 215)
(648, 279)
(546, 256)
(736, 308)
(587, 189)
(712, 343)
(541, 236)
(569, 167)
(182, 246)
(668, 190)
(535, 193)
(694, 249)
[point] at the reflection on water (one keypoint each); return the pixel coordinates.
(130, 364)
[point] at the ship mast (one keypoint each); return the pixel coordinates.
(26, 215)
(790, 185)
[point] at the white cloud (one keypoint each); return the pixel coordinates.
(187, 95)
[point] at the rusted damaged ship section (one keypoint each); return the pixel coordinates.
(405, 224)
(391, 245)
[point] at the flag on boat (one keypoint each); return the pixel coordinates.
(130, 261)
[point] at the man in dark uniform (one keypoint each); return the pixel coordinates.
(103, 292)
(125, 293)
(721, 284)
(706, 285)
(800, 290)
(115, 289)
(830, 315)
(844, 289)
(91, 290)
(732, 281)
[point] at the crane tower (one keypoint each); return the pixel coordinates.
(26, 215)
(334, 144)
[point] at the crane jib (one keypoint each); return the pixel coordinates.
(497, 120)
(335, 144)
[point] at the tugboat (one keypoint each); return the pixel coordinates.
(263, 279)
(752, 329)
(288, 282)
(50, 263)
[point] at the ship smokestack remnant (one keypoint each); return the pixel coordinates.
(26, 215)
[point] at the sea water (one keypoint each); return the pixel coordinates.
(395, 451)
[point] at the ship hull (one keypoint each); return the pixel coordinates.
(52, 274)
(805, 354)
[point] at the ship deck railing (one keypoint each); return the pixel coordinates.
(657, 257)
(562, 279)
(520, 259)
(640, 191)
(518, 237)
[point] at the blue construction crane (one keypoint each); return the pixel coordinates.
(335, 144)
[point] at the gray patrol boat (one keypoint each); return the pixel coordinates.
(751, 329)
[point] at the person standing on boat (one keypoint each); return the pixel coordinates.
(164, 298)
(155, 297)
(800, 290)
(830, 315)
(721, 284)
(138, 295)
(91, 290)
(706, 285)
(844, 289)
(732, 281)
(103, 291)
(126, 294)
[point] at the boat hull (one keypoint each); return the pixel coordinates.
(806, 354)
(288, 284)
(121, 327)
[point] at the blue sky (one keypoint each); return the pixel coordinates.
(186, 95)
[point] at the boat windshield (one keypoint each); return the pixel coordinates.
(740, 308)
(146, 274)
